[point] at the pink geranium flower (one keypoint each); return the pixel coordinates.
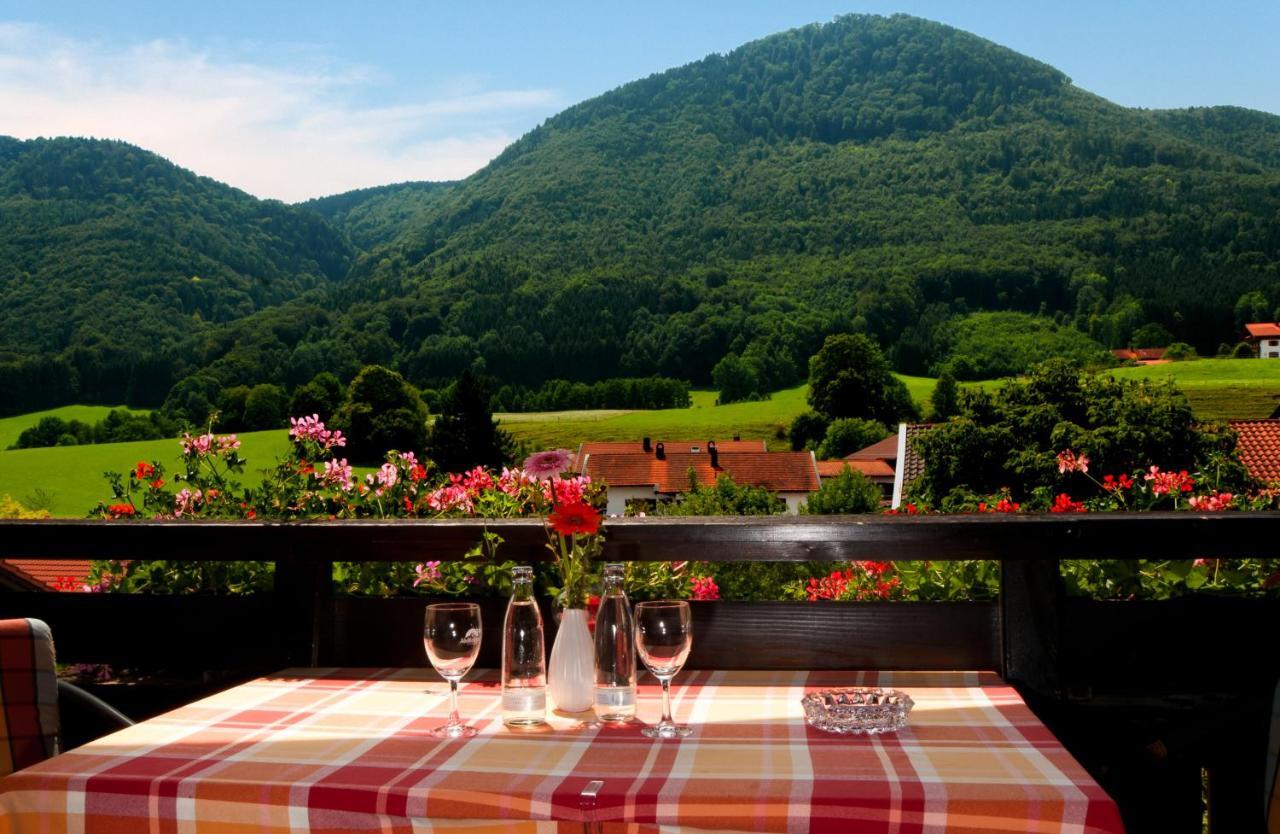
(549, 463)
(1069, 461)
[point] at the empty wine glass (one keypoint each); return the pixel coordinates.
(664, 635)
(452, 638)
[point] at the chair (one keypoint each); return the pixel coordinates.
(42, 715)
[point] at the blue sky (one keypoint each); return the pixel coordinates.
(294, 100)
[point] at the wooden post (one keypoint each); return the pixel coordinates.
(304, 590)
(1031, 603)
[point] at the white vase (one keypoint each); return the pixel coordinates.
(571, 676)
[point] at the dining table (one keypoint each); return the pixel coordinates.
(322, 750)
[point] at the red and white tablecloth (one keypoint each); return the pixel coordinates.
(337, 750)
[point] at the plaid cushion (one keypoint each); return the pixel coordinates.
(28, 695)
(1273, 777)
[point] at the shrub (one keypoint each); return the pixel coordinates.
(850, 434)
(991, 345)
(1180, 351)
(321, 396)
(735, 379)
(807, 430)
(848, 493)
(265, 407)
(1243, 350)
(1011, 438)
(723, 498)
(382, 411)
(945, 400)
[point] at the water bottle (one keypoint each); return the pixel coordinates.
(524, 665)
(615, 651)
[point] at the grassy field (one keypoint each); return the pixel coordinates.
(1220, 389)
(72, 475)
(11, 427)
(765, 419)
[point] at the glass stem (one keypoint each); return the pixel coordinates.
(666, 701)
(454, 718)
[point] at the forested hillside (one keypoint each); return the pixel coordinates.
(374, 216)
(884, 175)
(872, 173)
(111, 258)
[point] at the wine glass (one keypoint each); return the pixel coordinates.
(664, 635)
(452, 638)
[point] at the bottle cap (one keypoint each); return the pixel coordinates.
(522, 572)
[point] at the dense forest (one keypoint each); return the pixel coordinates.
(890, 176)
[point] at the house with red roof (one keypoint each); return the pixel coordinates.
(879, 472)
(663, 472)
(1264, 336)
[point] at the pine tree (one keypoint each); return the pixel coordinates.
(465, 435)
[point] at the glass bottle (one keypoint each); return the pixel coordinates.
(615, 650)
(524, 665)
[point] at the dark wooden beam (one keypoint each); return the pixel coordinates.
(791, 538)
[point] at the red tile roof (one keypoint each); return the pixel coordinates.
(46, 574)
(775, 471)
(886, 449)
(1258, 445)
(636, 447)
(1262, 329)
(870, 468)
(913, 465)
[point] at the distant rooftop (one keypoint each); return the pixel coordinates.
(874, 469)
(1262, 329)
(886, 449)
(775, 471)
(607, 447)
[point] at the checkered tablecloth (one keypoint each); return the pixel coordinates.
(335, 750)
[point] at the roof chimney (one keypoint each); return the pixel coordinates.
(660, 451)
(715, 454)
(647, 445)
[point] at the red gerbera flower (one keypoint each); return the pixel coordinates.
(567, 519)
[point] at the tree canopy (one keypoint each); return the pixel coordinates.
(849, 377)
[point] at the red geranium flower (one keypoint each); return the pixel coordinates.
(143, 470)
(120, 510)
(568, 519)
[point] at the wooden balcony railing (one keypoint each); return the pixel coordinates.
(1108, 676)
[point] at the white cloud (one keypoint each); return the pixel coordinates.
(287, 132)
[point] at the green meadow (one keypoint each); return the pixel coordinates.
(11, 427)
(70, 477)
(764, 419)
(1219, 389)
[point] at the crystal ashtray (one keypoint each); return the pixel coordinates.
(861, 709)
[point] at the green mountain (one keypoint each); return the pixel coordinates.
(886, 175)
(112, 257)
(374, 216)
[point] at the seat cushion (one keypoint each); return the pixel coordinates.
(28, 694)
